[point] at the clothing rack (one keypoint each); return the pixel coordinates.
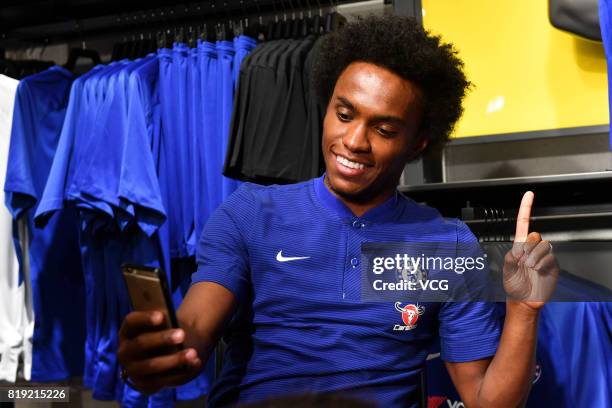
(64, 20)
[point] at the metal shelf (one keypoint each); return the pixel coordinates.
(511, 181)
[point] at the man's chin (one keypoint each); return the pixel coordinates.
(355, 194)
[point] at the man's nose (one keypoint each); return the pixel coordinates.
(356, 139)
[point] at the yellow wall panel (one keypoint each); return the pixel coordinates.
(527, 74)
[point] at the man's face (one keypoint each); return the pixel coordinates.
(369, 131)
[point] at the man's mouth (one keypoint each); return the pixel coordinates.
(348, 163)
(349, 167)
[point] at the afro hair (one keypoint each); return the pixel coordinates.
(402, 46)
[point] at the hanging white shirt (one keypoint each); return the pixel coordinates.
(15, 320)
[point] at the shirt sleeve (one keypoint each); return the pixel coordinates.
(139, 184)
(20, 191)
(222, 253)
(469, 330)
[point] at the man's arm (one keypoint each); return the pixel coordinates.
(505, 380)
(530, 276)
(149, 354)
(205, 311)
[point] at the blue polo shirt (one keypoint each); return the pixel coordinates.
(301, 325)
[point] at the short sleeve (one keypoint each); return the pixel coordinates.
(469, 330)
(53, 195)
(139, 184)
(20, 191)
(222, 253)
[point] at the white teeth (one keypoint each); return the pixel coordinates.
(346, 162)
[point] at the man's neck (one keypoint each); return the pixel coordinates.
(358, 208)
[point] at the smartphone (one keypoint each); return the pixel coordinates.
(148, 290)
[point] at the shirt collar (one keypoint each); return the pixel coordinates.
(381, 213)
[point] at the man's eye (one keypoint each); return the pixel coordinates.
(343, 117)
(385, 132)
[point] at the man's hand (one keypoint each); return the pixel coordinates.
(530, 268)
(149, 354)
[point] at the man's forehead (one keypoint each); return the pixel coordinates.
(376, 89)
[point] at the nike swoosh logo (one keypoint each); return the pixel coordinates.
(281, 258)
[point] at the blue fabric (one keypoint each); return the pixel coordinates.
(572, 356)
(243, 46)
(605, 24)
(146, 130)
(194, 110)
(52, 200)
(175, 170)
(109, 175)
(130, 157)
(55, 263)
(574, 353)
(207, 186)
(181, 68)
(301, 325)
(138, 183)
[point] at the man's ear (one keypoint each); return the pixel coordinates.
(419, 147)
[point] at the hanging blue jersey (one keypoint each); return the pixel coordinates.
(104, 249)
(181, 68)
(206, 186)
(574, 353)
(54, 257)
(302, 325)
(194, 110)
(107, 158)
(53, 199)
(176, 165)
(170, 149)
(93, 97)
(572, 360)
(138, 181)
(243, 45)
(144, 121)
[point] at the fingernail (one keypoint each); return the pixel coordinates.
(177, 335)
(156, 317)
(190, 354)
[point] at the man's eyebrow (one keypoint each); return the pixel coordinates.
(390, 118)
(346, 102)
(380, 118)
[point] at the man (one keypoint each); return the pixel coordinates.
(282, 262)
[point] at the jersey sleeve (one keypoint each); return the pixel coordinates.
(222, 253)
(53, 195)
(19, 187)
(469, 330)
(139, 184)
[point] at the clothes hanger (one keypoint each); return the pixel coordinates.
(286, 31)
(256, 30)
(272, 24)
(304, 21)
(118, 47)
(315, 27)
(76, 53)
(333, 19)
(294, 24)
(278, 27)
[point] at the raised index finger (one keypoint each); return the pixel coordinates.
(522, 220)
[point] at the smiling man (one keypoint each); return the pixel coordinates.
(279, 267)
